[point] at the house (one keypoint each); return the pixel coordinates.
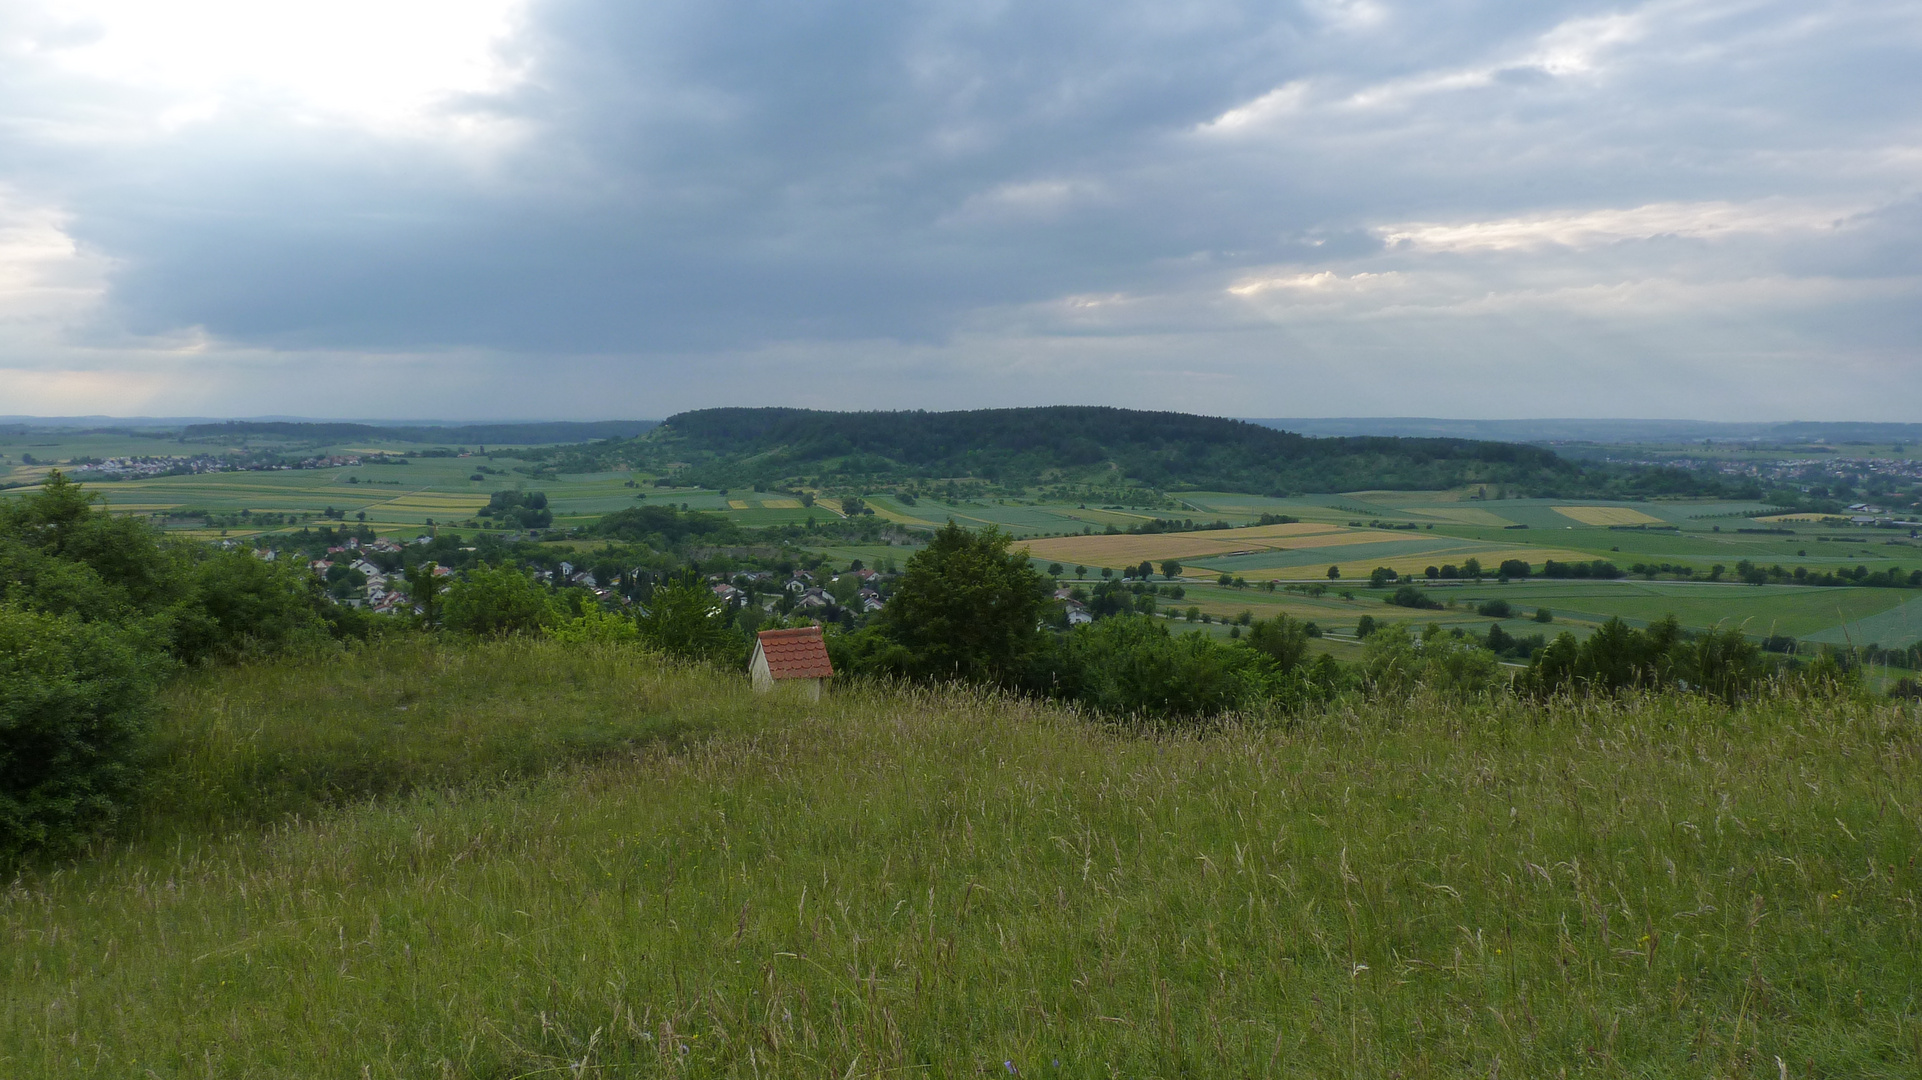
(798, 657)
(367, 568)
(871, 600)
(1078, 614)
(726, 593)
(815, 598)
(266, 554)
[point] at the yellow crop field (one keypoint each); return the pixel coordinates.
(881, 510)
(430, 503)
(737, 504)
(1607, 515)
(783, 504)
(1773, 519)
(1130, 549)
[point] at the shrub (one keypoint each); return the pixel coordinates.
(242, 606)
(1409, 596)
(1494, 609)
(519, 509)
(595, 627)
(74, 700)
(1132, 665)
(1394, 663)
(684, 618)
(495, 603)
(1282, 639)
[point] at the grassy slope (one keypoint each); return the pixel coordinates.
(741, 887)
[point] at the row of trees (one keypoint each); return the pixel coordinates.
(969, 609)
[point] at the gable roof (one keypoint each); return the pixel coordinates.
(801, 653)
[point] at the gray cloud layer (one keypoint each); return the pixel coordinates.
(1705, 209)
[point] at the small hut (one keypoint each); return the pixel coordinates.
(798, 657)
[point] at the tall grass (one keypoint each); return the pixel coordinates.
(915, 882)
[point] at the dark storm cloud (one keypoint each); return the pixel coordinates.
(1365, 190)
(713, 173)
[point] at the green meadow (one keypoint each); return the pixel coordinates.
(519, 859)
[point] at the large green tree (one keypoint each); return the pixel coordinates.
(965, 608)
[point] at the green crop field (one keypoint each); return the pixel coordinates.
(1450, 527)
(520, 859)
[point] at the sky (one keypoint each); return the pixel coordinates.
(595, 209)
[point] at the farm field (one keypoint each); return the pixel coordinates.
(1334, 530)
(669, 875)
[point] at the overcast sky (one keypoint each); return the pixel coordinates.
(602, 208)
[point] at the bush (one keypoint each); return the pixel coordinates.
(1131, 665)
(684, 618)
(242, 606)
(74, 700)
(1282, 639)
(496, 603)
(1409, 596)
(519, 509)
(1494, 609)
(1394, 663)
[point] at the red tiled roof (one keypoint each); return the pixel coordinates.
(796, 654)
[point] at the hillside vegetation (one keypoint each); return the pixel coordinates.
(520, 858)
(738, 447)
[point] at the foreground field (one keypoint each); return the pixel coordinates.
(577, 863)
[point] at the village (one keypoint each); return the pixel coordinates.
(370, 575)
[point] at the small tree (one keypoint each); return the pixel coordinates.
(684, 618)
(1334, 573)
(1170, 569)
(424, 589)
(496, 603)
(965, 607)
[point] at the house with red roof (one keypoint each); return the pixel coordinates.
(797, 657)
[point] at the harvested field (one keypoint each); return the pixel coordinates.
(1465, 515)
(1607, 515)
(1127, 550)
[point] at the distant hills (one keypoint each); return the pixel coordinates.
(737, 447)
(1604, 431)
(530, 434)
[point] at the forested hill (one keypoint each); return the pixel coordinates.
(1169, 451)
